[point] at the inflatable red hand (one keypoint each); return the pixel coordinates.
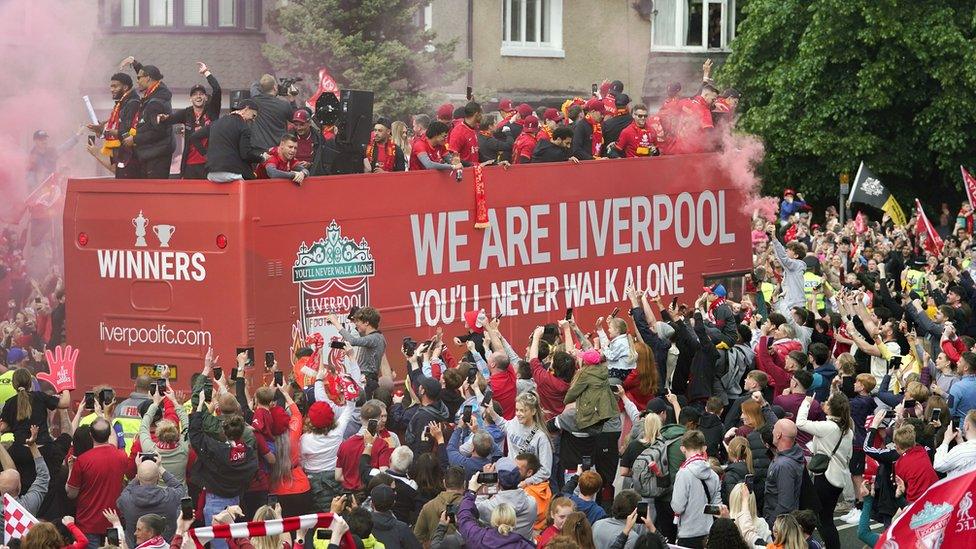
(61, 365)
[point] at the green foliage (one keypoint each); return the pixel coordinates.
(371, 45)
(829, 83)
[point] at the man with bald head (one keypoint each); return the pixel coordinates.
(785, 475)
(10, 477)
(145, 496)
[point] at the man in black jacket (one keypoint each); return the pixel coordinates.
(153, 143)
(120, 121)
(273, 115)
(556, 149)
(203, 110)
(587, 132)
(615, 124)
(227, 145)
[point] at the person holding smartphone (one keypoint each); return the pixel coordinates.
(145, 496)
(369, 339)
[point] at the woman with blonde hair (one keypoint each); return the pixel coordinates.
(269, 512)
(526, 433)
(740, 465)
(737, 505)
(787, 534)
(398, 132)
(652, 430)
(501, 533)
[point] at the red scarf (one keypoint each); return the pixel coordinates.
(150, 90)
(155, 542)
(115, 117)
(597, 135)
(389, 161)
(545, 130)
(719, 301)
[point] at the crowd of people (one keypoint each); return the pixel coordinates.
(270, 134)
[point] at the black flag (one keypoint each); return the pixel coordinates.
(867, 189)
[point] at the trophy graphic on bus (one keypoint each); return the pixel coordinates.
(140, 223)
(164, 233)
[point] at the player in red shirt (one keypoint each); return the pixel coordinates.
(282, 163)
(506, 112)
(429, 151)
(463, 139)
(693, 131)
(526, 141)
(641, 138)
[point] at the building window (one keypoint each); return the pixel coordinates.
(250, 14)
(161, 13)
(532, 28)
(196, 13)
(130, 13)
(227, 10)
(692, 25)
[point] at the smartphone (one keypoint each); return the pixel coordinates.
(279, 378)
(613, 313)
(469, 93)
(91, 139)
(89, 400)
(250, 354)
(487, 478)
(936, 414)
(143, 456)
(272, 500)
(337, 345)
(234, 372)
(594, 88)
(409, 346)
(452, 512)
(352, 312)
(642, 508)
(909, 403)
(472, 375)
(218, 372)
(269, 359)
(207, 393)
(161, 384)
(466, 415)
(889, 414)
(713, 510)
(674, 303)
(486, 401)
(750, 482)
(587, 463)
(153, 387)
(106, 396)
(569, 314)
(373, 426)
(186, 507)
(112, 536)
(37, 300)
(323, 533)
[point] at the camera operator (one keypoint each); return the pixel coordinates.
(274, 113)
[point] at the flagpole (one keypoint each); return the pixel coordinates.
(857, 177)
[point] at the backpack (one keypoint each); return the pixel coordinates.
(646, 483)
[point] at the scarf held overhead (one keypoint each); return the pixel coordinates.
(260, 528)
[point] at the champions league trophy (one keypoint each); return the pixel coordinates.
(140, 224)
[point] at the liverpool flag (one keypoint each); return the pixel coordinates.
(933, 242)
(868, 190)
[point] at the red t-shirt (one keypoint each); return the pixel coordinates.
(98, 477)
(635, 141)
(422, 146)
(463, 140)
(915, 468)
(276, 161)
(552, 390)
(503, 390)
(694, 119)
(523, 147)
(347, 459)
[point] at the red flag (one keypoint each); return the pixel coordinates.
(941, 517)
(970, 185)
(327, 84)
(933, 242)
(860, 223)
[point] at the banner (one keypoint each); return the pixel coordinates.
(933, 242)
(970, 184)
(17, 520)
(941, 517)
(327, 84)
(260, 528)
(867, 189)
(61, 365)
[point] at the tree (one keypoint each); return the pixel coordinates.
(373, 45)
(829, 83)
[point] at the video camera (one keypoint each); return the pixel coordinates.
(285, 83)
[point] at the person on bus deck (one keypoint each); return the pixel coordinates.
(153, 143)
(694, 125)
(463, 139)
(429, 151)
(557, 148)
(282, 163)
(642, 137)
(203, 110)
(526, 141)
(382, 153)
(588, 133)
(309, 142)
(228, 146)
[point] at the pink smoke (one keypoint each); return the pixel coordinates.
(741, 155)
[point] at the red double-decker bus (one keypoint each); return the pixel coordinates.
(157, 271)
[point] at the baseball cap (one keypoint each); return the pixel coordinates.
(320, 415)
(530, 122)
(15, 355)
(788, 192)
(198, 88)
(593, 104)
(505, 105)
(432, 388)
(509, 476)
(279, 420)
(384, 121)
(248, 104)
(524, 110)
(300, 116)
(717, 290)
(40, 134)
(552, 114)
(445, 110)
(152, 71)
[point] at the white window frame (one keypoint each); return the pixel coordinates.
(204, 15)
(168, 13)
(681, 20)
(553, 48)
(221, 12)
(133, 8)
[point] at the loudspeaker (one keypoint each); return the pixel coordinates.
(236, 96)
(355, 117)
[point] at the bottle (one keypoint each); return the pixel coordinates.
(458, 174)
